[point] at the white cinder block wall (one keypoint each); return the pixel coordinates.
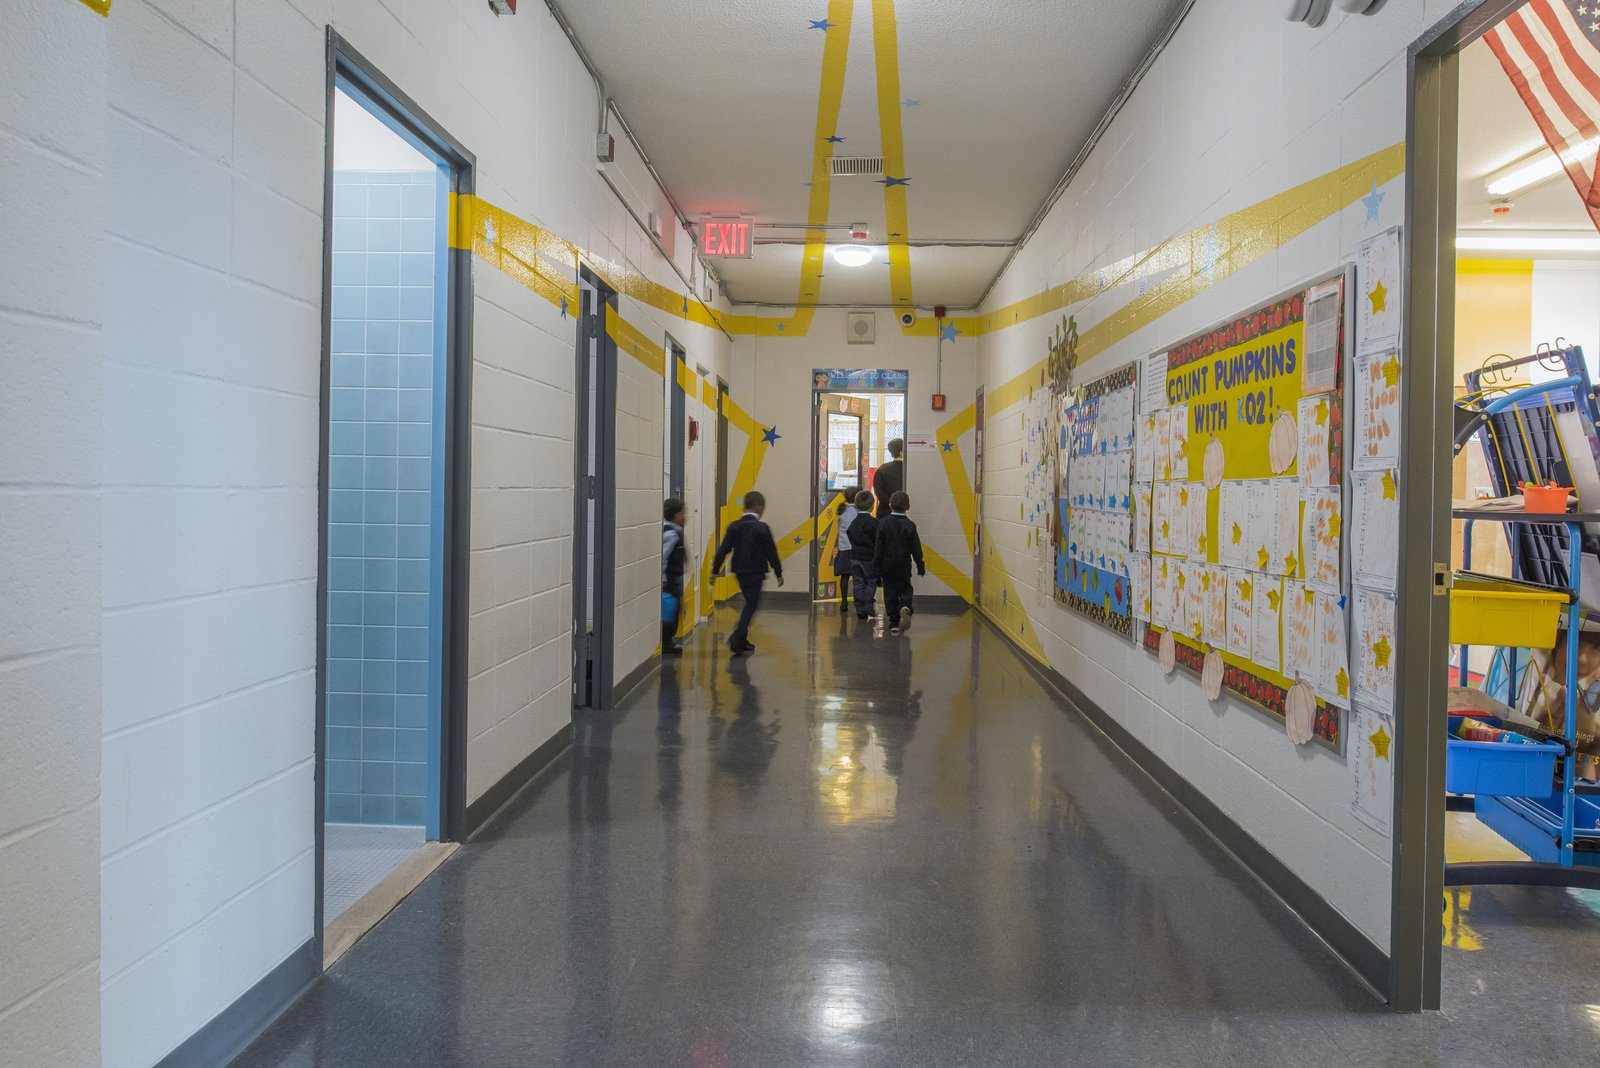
(1201, 138)
(52, 156)
(213, 272)
(773, 383)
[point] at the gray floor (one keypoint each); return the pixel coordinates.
(357, 857)
(854, 849)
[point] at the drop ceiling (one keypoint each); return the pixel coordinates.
(995, 100)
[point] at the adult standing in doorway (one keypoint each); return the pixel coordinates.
(890, 478)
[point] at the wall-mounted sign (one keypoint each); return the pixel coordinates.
(867, 380)
(729, 237)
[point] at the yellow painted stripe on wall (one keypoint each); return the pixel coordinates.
(886, 51)
(955, 577)
(629, 339)
(99, 7)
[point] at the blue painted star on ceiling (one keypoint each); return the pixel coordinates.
(948, 332)
(1372, 201)
(947, 446)
(888, 182)
(820, 24)
(771, 436)
(910, 103)
(835, 140)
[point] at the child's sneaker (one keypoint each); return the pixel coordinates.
(894, 630)
(905, 620)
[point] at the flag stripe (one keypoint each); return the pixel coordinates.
(1563, 29)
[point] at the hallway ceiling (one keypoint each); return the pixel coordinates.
(995, 100)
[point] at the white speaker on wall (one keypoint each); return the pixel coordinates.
(1311, 12)
(860, 327)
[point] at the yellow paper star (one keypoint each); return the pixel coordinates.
(1147, 606)
(1311, 596)
(1379, 295)
(1202, 544)
(1334, 523)
(1391, 372)
(1322, 413)
(1273, 599)
(1342, 682)
(1293, 564)
(1388, 486)
(1166, 531)
(1380, 743)
(1205, 581)
(1199, 629)
(1238, 534)
(1380, 652)
(1183, 496)
(1244, 589)
(1163, 569)
(1183, 580)
(1264, 557)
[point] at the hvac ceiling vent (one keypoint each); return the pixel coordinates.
(860, 328)
(857, 166)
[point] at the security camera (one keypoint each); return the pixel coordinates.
(908, 318)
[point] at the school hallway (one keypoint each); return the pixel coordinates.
(857, 849)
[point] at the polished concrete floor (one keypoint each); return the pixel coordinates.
(854, 849)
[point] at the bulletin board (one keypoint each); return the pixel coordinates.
(1094, 557)
(1239, 463)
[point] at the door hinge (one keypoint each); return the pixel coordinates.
(1443, 580)
(591, 487)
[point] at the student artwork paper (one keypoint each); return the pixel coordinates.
(1143, 503)
(1178, 442)
(1196, 528)
(1377, 528)
(1164, 580)
(1314, 418)
(1161, 517)
(1320, 364)
(1163, 444)
(1300, 655)
(1214, 588)
(1241, 612)
(1321, 536)
(1375, 649)
(1141, 588)
(1334, 683)
(1267, 615)
(1261, 532)
(1377, 429)
(1286, 530)
(1372, 759)
(1233, 521)
(1144, 448)
(1378, 286)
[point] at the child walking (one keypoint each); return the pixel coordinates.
(897, 546)
(749, 541)
(863, 542)
(674, 561)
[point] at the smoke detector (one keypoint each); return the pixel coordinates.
(858, 231)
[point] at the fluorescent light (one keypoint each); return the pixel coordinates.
(1528, 244)
(1540, 166)
(852, 255)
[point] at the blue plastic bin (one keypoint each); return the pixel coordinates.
(1499, 769)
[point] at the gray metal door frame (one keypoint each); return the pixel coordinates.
(594, 532)
(677, 417)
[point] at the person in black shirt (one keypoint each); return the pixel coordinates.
(863, 534)
(749, 541)
(890, 478)
(674, 560)
(897, 547)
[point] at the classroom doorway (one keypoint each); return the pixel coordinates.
(594, 535)
(392, 589)
(856, 414)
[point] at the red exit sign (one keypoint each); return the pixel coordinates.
(729, 238)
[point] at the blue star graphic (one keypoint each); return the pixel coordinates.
(899, 235)
(822, 24)
(771, 436)
(835, 140)
(948, 445)
(686, 305)
(781, 327)
(805, 185)
(797, 539)
(1372, 200)
(888, 182)
(563, 306)
(948, 332)
(910, 103)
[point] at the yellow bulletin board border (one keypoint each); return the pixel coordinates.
(1260, 687)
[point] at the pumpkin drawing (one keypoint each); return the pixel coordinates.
(1283, 443)
(1211, 468)
(1300, 713)
(1168, 653)
(1211, 675)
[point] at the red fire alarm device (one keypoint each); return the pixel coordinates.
(503, 7)
(694, 431)
(938, 402)
(938, 311)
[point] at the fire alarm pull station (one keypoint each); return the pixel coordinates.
(938, 402)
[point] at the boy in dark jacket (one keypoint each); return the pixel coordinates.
(863, 535)
(749, 541)
(898, 545)
(674, 560)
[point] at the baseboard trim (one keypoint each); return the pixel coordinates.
(496, 797)
(1354, 949)
(632, 679)
(227, 1033)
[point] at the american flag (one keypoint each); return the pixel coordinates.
(1550, 49)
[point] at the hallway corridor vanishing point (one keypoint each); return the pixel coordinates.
(854, 849)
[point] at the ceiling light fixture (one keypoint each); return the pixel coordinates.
(1539, 167)
(852, 255)
(1530, 243)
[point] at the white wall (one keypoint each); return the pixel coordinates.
(213, 272)
(1214, 128)
(772, 380)
(1565, 307)
(52, 156)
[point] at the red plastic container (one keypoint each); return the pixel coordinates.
(1547, 500)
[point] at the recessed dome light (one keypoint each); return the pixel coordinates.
(851, 255)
